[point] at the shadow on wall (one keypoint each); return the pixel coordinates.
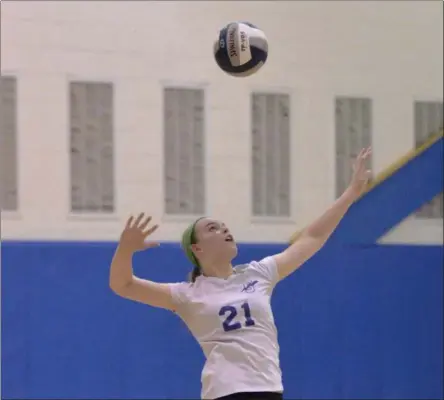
(353, 323)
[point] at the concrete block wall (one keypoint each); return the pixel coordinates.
(390, 52)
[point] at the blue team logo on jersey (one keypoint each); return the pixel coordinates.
(250, 287)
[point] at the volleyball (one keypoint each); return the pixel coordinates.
(241, 49)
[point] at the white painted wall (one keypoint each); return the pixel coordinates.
(390, 51)
(415, 231)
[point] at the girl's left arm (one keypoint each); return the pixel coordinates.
(313, 238)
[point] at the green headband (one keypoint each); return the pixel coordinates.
(188, 239)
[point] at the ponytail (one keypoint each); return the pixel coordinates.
(195, 273)
(188, 239)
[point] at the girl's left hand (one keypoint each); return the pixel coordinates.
(361, 175)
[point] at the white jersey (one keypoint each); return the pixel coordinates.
(233, 323)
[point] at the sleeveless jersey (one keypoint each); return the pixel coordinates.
(233, 322)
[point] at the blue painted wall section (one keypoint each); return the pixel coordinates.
(394, 199)
(356, 322)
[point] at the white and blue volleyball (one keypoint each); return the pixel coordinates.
(241, 49)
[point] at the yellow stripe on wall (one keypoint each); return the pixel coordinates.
(391, 169)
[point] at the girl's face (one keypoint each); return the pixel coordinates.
(213, 242)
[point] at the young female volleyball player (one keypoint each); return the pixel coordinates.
(228, 309)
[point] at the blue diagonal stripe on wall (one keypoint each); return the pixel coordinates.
(392, 200)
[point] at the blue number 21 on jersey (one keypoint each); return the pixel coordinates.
(229, 324)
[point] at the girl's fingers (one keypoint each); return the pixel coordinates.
(129, 222)
(149, 245)
(368, 152)
(150, 231)
(145, 223)
(139, 218)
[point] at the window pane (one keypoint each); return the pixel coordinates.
(184, 166)
(270, 141)
(8, 144)
(92, 147)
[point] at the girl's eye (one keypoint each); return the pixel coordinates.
(212, 228)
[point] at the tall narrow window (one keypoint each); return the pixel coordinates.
(353, 131)
(184, 151)
(270, 133)
(8, 144)
(92, 147)
(429, 121)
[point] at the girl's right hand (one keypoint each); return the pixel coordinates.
(133, 237)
